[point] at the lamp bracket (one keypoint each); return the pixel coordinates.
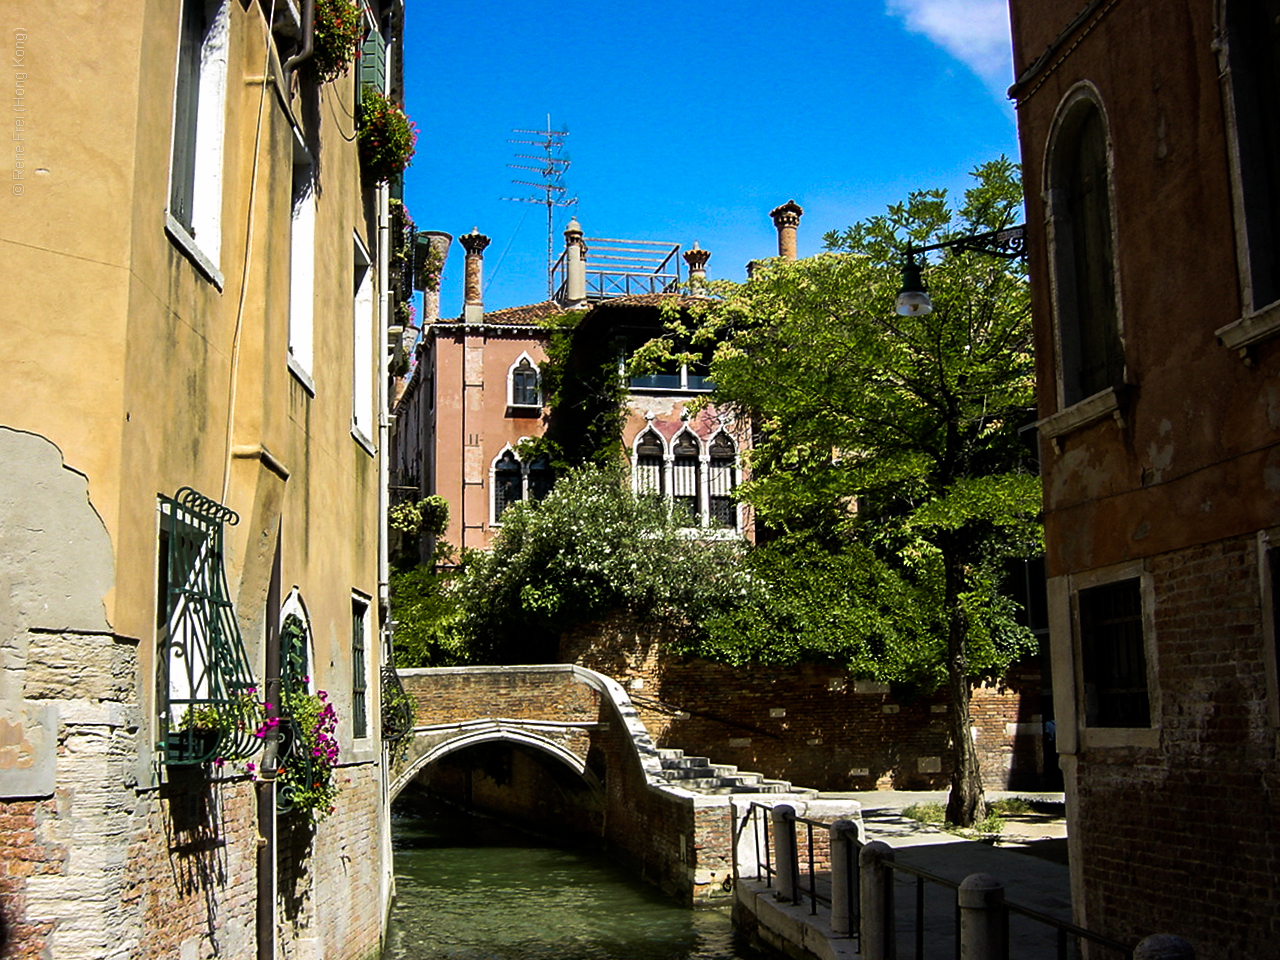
(1009, 243)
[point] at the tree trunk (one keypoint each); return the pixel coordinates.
(966, 803)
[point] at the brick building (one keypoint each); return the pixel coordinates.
(476, 393)
(196, 302)
(1151, 148)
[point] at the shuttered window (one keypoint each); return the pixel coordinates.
(722, 479)
(685, 486)
(648, 468)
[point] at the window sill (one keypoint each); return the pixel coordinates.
(1110, 738)
(187, 244)
(1251, 329)
(1106, 403)
(524, 410)
(358, 435)
(302, 376)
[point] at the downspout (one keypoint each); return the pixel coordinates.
(308, 36)
(267, 775)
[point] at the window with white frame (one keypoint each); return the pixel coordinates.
(722, 480)
(508, 483)
(1090, 351)
(302, 271)
(362, 353)
(650, 461)
(699, 483)
(359, 668)
(199, 120)
(513, 480)
(686, 485)
(523, 388)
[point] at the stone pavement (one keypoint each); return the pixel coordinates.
(1033, 881)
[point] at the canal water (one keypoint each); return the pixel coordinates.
(468, 888)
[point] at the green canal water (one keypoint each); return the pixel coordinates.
(468, 888)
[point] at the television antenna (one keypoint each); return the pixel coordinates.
(549, 190)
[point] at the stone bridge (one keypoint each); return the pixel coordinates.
(563, 748)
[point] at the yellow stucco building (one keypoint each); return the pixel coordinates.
(196, 295)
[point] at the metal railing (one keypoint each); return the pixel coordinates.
(862, 881)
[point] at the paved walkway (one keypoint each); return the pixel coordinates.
(1033, 881)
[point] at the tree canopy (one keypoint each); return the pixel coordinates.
(889, 478)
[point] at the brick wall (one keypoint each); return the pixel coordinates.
(1184, 837)
(810, 724)
(22, 855)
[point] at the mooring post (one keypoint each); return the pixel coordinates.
(981, 899)
(785, 850)
(877, 937)
(1164, 946)
(844, 883)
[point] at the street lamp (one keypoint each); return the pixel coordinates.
(913, 298)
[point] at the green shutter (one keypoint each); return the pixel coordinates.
(373, 62)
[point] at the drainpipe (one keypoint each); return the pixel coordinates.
(267, 775)
(308, 36)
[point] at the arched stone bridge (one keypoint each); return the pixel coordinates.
(563, 747)
(559, 709)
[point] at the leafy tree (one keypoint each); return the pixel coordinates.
(428, 608)
(888, 448)
(590, 547)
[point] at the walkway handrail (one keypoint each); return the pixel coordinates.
(981, 912)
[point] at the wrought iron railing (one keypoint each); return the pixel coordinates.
(397, 707)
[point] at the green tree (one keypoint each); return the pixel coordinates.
(589, 548)
(888, 446)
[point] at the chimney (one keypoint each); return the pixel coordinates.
(473, 295)
(697, 260)
(786, 218)
(575, 265)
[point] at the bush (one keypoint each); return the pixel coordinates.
(590, 548)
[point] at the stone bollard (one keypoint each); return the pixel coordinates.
(785, 854)
(1164, 946)
(981, 899)
(877, 932)
(845, 837)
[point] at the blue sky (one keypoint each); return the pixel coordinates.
(690, 122)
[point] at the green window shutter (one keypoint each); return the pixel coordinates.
(373, 62)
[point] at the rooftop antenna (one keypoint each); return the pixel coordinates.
(549, 190)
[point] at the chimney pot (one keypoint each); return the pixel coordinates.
(697, 259)
(575, 265)
(473, 295)
(786, 218)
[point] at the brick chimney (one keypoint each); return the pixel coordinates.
(575, 265)
(473, 285)
(697, 260)
(786, 218)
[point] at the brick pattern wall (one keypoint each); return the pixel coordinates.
(813, 725)
(22, 855)
(1184, 838)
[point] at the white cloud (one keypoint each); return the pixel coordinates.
(975, 32)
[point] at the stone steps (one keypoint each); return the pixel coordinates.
(700, 775)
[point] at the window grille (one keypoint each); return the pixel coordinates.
(291, 749)
(359, 682)
(508, 484)
(649, 465)
(1113, 656)
(684, 481)
(206, 686)
(397, 708)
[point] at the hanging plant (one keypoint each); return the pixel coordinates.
(309, 755)
(386, 137)
(339, 28)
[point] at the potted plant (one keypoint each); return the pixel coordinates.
(306, 779)
(339, 28)
(386, 138)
